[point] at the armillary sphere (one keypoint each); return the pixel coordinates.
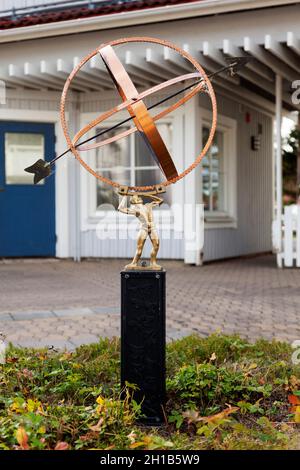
(133, 102)
(144, 123)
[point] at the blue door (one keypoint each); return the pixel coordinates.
(27, 211)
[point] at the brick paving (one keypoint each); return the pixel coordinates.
(60, 303)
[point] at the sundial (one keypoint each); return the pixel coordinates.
(144, 123)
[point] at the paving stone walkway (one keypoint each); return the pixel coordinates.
(60, 303)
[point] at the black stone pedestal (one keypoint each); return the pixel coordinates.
(143, 339)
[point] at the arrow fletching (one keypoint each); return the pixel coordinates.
(236, 63)
(40, 169)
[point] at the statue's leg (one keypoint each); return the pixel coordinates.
(155, 247)
(142, 235)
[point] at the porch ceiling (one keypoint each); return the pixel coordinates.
(270, 56)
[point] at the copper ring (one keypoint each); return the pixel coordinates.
(139, 112)
(155, 41)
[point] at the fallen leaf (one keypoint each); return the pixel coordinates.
(65, 356)
(97, 426)
(100, 400)
(12, 359)
(22, 438)
(136, 444)
(42, 357)
(297, 414)
(223, 414)
(193, 416)
(42, 430)
(294, 400)
(213, 357)
(61, 446)
(294, 382)
(77, 366)
(132, 436)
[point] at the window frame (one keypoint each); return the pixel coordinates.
(228, 217)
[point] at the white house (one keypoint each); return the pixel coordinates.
(239, 182)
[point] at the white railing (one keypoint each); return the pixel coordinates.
(290, 246)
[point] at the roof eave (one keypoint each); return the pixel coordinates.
(128, 18)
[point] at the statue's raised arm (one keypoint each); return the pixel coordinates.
(156, 201)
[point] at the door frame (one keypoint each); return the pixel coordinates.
(61, 173)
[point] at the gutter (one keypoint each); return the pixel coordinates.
(138, 17)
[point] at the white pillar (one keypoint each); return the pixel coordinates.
(74, 185)
(278, 168)
(193, 217)
(62, 196)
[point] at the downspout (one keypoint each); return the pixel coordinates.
(298, 161)
(279, 169)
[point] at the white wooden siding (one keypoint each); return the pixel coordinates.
(92, 247)
(254, 189)
(32, 100)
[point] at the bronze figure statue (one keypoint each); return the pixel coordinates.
(144, 212)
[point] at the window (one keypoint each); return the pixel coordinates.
(213, 173)
(113, 162)
(129, 162)
(219, 171)
(19, 151)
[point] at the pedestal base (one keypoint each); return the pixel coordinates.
(143, 339)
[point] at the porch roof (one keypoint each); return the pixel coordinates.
(71, 10)
(271, 57)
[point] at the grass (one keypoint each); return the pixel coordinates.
(222, 393)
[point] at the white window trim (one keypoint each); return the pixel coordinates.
(91, 218)
(228, 218)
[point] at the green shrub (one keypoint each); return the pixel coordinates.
(222, 393)
(206, 386)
